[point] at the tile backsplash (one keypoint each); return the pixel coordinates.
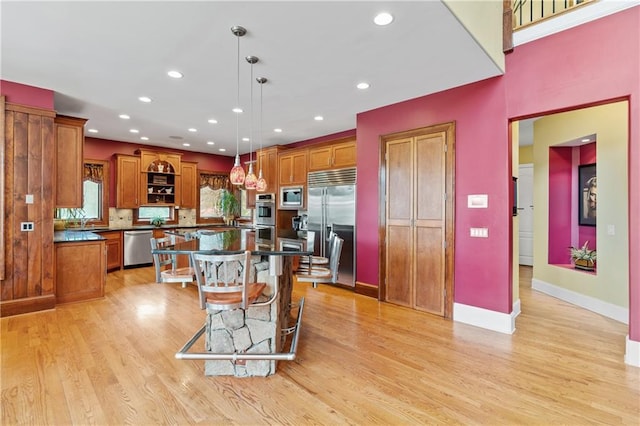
(123, 218)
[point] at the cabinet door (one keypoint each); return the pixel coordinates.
(268, 160)
(114, 249)
(285, 169)
(189, 185)
(299, 168)
(344, 155)
(320, 158)
(69, 145)
(127, 182)
(80, 271)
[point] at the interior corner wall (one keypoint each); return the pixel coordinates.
(525, 154)
(559, 203)
(610, 124)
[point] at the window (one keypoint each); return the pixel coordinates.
(212, 185)
(148, 213)
(95, 190)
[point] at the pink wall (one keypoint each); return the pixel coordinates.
(561, 197)
(27, 95)
(590, 64)
(483, 166)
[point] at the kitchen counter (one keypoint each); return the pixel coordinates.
(79, 235)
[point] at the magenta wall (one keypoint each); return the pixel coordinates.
(590, 64)
(483, 166)
(26, 95)
(561, 197)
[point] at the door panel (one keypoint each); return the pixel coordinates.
(430, 171)
(399, 181)
(399, 276)
(429, 275)
(525, 213)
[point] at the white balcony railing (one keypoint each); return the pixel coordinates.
(527, 12)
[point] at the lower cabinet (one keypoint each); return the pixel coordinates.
(80, 270)
(114, 249)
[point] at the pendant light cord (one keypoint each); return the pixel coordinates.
(238, 103)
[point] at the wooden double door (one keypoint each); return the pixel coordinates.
(417, 257)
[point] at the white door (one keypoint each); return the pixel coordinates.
(525, 213)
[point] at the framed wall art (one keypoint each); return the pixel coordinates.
(587, 195)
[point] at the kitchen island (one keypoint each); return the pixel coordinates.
(249, 342)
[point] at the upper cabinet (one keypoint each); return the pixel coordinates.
(334, 156)
(127, 181)
(188, 185)
(160, 177)
(268, 160)
(69, 149)
(292, 166)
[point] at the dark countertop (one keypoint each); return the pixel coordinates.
(75, 236)
(167, 228)
(240, 239)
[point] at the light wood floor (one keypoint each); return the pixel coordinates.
(111, 362)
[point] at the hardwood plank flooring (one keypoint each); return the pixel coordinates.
(111, 362)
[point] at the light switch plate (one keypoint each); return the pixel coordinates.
(479, 232)
(478, 201)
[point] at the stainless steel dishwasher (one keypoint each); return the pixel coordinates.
(137, 248)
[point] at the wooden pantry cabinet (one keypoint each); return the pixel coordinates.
(333, 156)
(292, 167)
(69, 166)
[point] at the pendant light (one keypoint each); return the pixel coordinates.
(261, 185)
(237, 172)
(251, 180)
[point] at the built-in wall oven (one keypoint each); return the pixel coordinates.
(265, 210)
(265, 235)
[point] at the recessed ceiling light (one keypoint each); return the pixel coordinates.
(277, 130)
(124, 116)
(383, 18)
(245, 139)
(134, 131)
(193, 130)
(212, 121)
(363, 86)
(92, 131)
(221, 149)
(144, 138)
(583, 140)
(237, 110)
(186, 144)
(211, 143)
(318, 118)
(144, 99)
(174, 74)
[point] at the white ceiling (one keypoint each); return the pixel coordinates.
(99, 57)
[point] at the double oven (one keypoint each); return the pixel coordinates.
(266, 219)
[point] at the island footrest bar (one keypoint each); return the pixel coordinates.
(282, 356)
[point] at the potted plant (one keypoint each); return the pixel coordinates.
(229, 205)
(583, 257)
(157, 221)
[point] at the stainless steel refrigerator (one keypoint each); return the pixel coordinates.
(331, 205)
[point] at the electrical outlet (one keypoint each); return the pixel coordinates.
(26, 226)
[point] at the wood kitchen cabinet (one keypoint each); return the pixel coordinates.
(292, 166)
(114, 249)
(188, 185)
(69, 153)
(333, 156)
(127, 181)
(160, 177)
(268, 160)
(80, 270)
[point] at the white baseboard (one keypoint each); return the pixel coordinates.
(516, 308)
(632, 354)
(484, 318)
(598, 306)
